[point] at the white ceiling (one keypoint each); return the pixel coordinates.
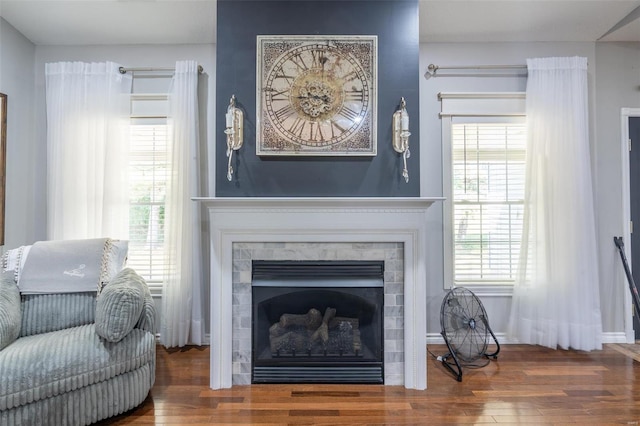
(91, 22)
(523, 20)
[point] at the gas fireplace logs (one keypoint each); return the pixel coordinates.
(314, 335)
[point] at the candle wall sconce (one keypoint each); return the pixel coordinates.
(401, 135)
(234, 119)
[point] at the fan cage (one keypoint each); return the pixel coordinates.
(465, 329)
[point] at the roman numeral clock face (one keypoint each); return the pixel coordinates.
(316, 95)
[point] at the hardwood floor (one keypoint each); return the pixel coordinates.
(527, 384)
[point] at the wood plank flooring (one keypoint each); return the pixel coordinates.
(526, 385)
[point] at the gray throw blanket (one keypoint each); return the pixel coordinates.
(66, 266)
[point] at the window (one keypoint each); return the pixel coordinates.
(484, 185)
(148, 175)
(488, 191)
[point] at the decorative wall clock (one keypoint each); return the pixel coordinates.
(316, 95)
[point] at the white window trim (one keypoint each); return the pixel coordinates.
(463, 104)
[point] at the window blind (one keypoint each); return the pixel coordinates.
(148, 179)
(488, 175)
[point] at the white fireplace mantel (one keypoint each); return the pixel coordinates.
(334, 220)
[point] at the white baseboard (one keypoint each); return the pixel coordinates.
(615, 337)
(206, 342)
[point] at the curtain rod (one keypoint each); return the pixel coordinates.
(432, 69)
(123, 70)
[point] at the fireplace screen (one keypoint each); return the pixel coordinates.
(317, 322)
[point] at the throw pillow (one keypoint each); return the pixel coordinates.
(119, 305)
(10, 319)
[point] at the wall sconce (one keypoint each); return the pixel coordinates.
(234, 131)
(401, 135)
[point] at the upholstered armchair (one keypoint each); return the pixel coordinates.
(74, 358)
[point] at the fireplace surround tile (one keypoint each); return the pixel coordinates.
(390, 253)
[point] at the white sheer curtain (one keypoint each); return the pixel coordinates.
(87, 146)
(556, 301)
(182, 304)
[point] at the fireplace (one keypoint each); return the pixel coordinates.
(317, 321)
(319, 222)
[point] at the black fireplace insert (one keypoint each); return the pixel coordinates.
(317, 321)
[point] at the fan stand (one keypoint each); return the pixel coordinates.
(464, 328)
(457, 372)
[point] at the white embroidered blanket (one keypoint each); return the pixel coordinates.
(66, 266)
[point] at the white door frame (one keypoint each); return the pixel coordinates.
(626, 113)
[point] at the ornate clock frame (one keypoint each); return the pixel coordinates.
(316, 95)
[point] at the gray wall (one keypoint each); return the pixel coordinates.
(24, 202)
(396, 25)
(618, 86)
(614, 79)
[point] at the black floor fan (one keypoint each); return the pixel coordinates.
(632, 284)
(465, 329)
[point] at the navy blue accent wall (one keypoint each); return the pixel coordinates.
(395, 22)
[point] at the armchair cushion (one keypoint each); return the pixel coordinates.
(119, 305)
(35, 368)
(10, 318)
